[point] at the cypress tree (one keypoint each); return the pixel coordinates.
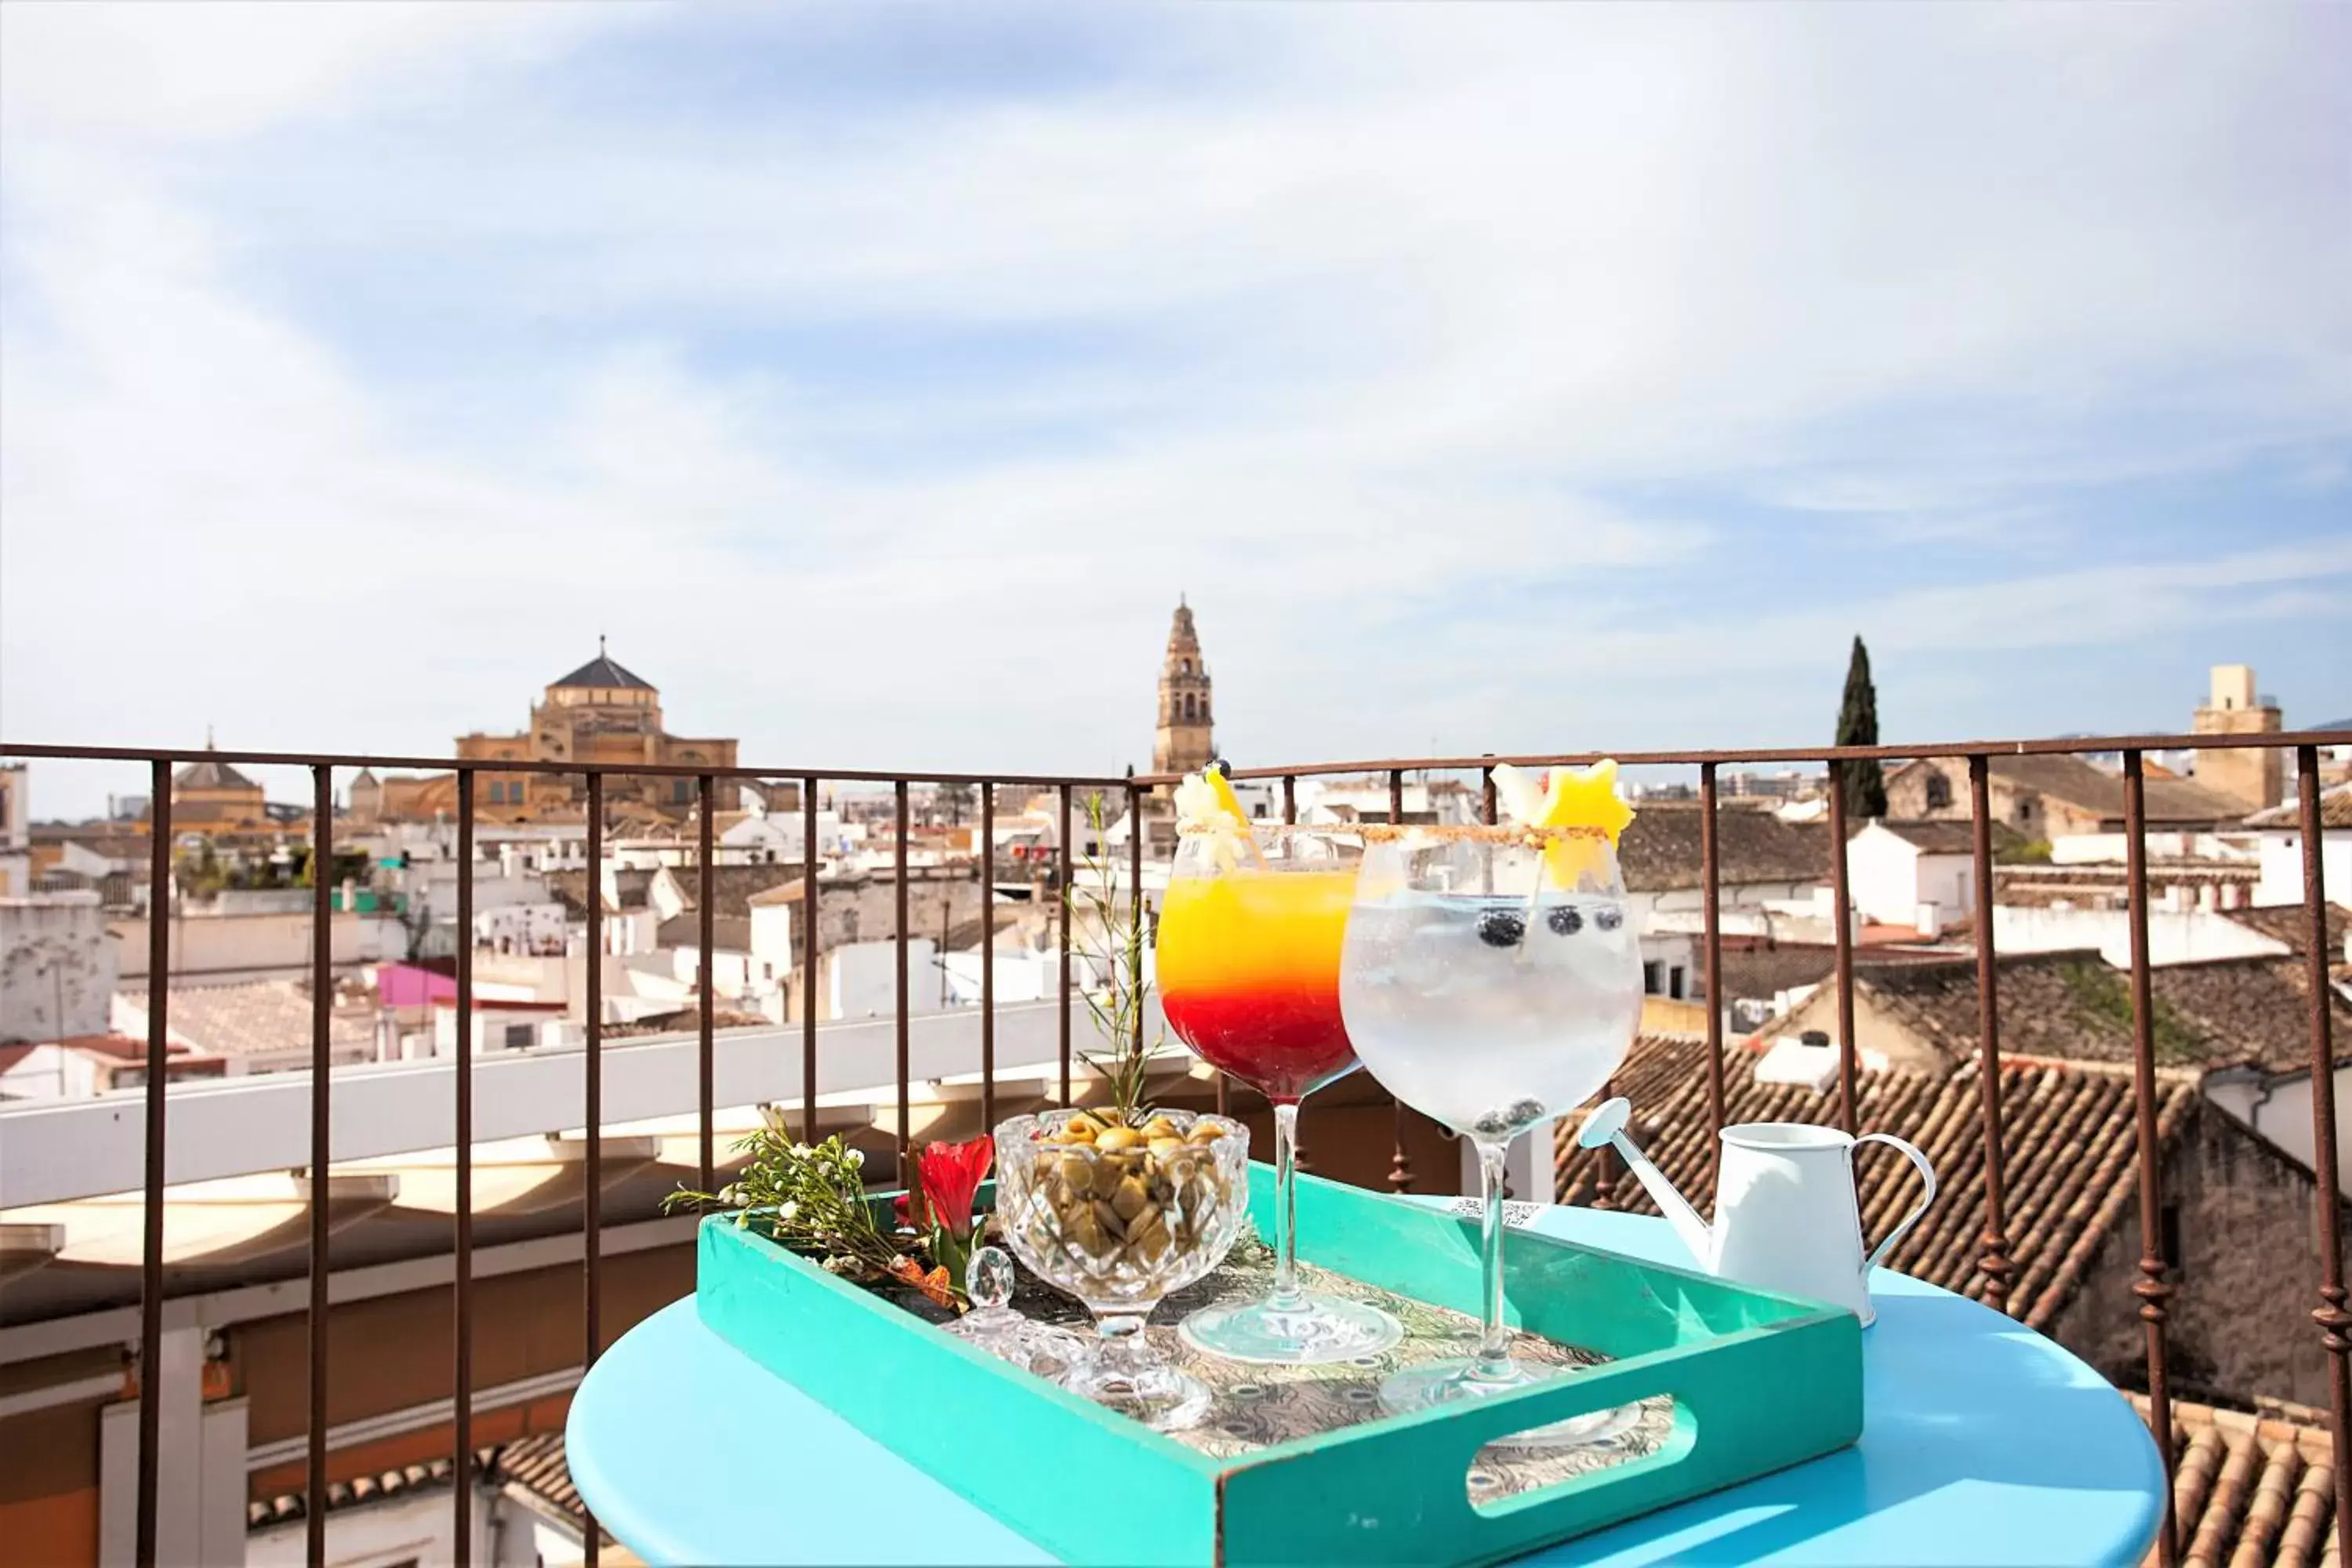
(1864, 784)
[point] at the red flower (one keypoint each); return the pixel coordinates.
(950, 1176)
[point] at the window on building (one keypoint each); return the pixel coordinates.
(681, 791)
(1940, 791)
(497, 793)
(2024, 811)
(1653, 973)
(1675, 983)
(1191, 709)
(518, 1037)
(1188, 666)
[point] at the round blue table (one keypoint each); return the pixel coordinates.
(1984, 1443)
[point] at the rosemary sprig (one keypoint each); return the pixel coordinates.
(1116, 940)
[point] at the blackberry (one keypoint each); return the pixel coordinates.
(1564, 921)
(1501, 927)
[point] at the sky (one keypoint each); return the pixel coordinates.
(1506, 378)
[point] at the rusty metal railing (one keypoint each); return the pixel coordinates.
(2154, 1287)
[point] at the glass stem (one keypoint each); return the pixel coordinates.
(1285, 1224)
(1494, 1357)
(1120, 1346)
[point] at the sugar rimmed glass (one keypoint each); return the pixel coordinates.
(1248, 971)
(1490, 979)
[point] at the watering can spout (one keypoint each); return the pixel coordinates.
(1606, 1126)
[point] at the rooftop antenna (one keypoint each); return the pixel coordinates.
(599, 645)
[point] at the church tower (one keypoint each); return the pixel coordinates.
(1183, 744)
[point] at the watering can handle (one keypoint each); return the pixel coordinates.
(1926, 1174)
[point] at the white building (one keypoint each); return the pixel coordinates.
(1916, 874)
(2280, 844)
(57, 967)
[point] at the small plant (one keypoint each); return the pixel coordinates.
(1116, 942)
(809, 1197)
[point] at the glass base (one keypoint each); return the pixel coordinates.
(1308, 1330)
(1438, 1382)
(1157, 1395)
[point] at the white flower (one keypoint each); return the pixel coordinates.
(800, 1150)
(856, 1158)
(788, 1210)
(839, 1265)
(1197, 806)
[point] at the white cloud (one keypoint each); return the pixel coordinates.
(1408, 322)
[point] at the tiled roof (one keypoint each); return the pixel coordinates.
(2288, 923)
(2075, 1005)
(733, 888)
(258, 1016)
(2251, 1491)
(536, 1464)
(2068, 1146)
(603, 672)
(1659, 850)
(209, 774)
(729, 934)
(2101, 793)
(2335, 811)
(1947, 836)
(1759, 973)
(570, 890)
(404, 1481)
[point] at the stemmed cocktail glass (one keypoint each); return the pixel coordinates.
(1491, 980)
(1248, 967)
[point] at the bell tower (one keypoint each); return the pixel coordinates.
(1183, 744)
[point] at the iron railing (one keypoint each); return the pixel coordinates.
(2154, 1287)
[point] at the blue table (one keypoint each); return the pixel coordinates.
(1984, 1444)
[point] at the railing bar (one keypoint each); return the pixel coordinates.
(706, 891)
(1400, 1159)
(899, 906)
(1061, 924)
(2152, 1288)
(592, 1201)
(1135, 901)
(810, 928)
(2330, 1314)
(1710, 881)
(1995, 1263)
(1903, 751)
(1289, 800)
(601, 770)
(988, 958)
(1842, 903)
(322, 1004)
(461, 1381)
(150, 1255)
(1898, 751)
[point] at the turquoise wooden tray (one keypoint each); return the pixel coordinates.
(1759, 1382)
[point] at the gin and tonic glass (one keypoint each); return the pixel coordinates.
(1491, 980)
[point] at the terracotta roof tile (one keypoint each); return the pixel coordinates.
(2100, 793)
(258, 1016)
(2252, 1490)
(1659, 850)
(2335, 811)
(2075, 1005)
(2068, 1144)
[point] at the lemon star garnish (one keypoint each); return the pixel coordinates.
(1585, 799)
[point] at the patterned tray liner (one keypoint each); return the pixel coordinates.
(1256, 1406)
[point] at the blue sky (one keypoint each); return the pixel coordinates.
(1491, 378)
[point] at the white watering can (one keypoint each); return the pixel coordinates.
(1786, 1217)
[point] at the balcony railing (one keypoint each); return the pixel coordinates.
(2154, 1287)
